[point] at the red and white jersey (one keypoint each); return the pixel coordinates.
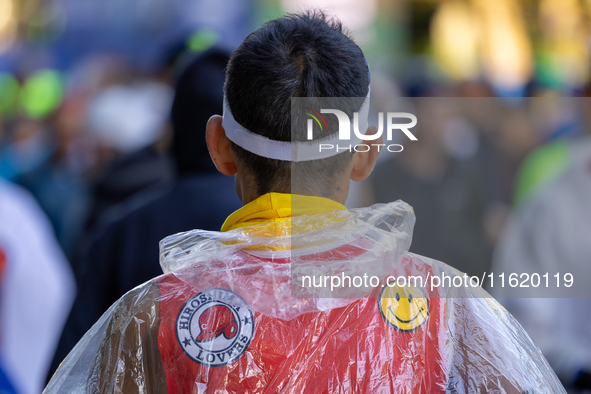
(235, 314)
(362, 347)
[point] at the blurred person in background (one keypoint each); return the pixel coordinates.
(127, 121)
(60, 183)
(441, 178)
(37, 289)
(48, 151)
(548, 232)
(29, 142)
(37, 153)
(122, 250)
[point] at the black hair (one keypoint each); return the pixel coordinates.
(198, 96)
(299, 55)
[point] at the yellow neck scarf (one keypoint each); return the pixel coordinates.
(276, 207)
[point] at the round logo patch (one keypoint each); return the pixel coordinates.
(406, 308)
(215, 327)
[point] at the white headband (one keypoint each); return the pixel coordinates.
(285, 150)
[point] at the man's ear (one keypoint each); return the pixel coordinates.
(364, 162)
(219, 146)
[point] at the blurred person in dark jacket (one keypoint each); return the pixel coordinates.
(129, 123)
(122, 250)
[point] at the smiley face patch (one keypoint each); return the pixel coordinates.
(406, 308)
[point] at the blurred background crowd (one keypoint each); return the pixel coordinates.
(103, 106)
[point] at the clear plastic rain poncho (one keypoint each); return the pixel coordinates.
(311, 304)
